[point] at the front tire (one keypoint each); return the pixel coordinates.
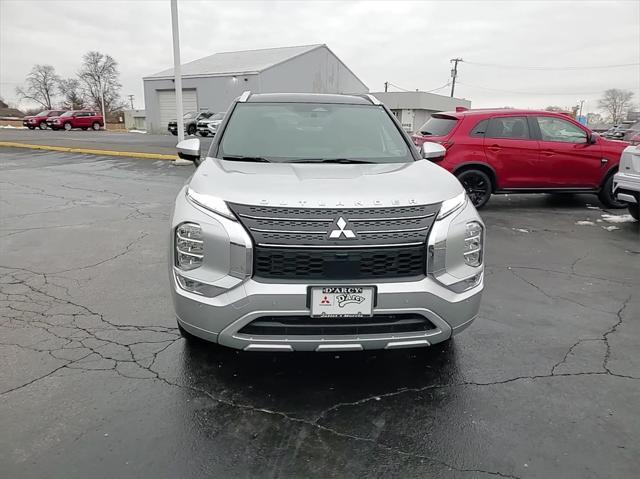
(606, 195)
(31, 127)
(42, 125)
(634, 210)
(174, 133)
(204, 133)
(95, 126)
(478, 186)
(67, 126)
(191, 130)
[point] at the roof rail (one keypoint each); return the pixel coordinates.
(245, 96)
(372, 99)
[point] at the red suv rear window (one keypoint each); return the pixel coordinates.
(438, 125)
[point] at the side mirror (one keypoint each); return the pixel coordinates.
(189, 150)
(432, 151)
(592, 139)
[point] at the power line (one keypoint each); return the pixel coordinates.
(422, 91)
(531, 92)
(544, 68)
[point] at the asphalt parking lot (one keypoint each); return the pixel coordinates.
(96, 381)
(100, 140)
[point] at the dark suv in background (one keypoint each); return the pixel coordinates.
(523, 151)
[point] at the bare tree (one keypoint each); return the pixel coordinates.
(99, 72)
(616, 103)
(40, 85)
(71, 92)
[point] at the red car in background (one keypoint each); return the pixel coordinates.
(523, 151)
(84, 119)
(40, 120)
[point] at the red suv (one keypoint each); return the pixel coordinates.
(523, 151)
(84, 119)
(40, 120)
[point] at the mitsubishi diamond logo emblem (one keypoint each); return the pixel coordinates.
(338, 233)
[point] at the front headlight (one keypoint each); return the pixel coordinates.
(211, 203)
(452, 205)
(473, 244)
(189, 246)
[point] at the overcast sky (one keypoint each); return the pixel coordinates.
(406, 43)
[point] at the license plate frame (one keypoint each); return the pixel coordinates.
(342, 301)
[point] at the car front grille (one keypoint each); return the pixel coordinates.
(312, 243)
(283, 226)
(330, 264)
(308, 326)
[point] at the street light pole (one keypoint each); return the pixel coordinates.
(176, 68)
(104, 117)
(581, 103)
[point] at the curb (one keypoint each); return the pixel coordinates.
(88, 151)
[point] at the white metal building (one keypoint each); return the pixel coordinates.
(211, 83)
(413, 108)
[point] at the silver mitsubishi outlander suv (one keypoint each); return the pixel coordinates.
(314, 224)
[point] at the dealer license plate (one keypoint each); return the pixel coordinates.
(342, 301)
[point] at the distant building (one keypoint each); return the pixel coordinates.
(211, 83)
(135, 120)
(414, 108)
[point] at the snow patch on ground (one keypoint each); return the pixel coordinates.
(610, 228)
(138, 131)
(618, 218)
(585, 223)
(13, 127)
(521, 230)
(592, 207)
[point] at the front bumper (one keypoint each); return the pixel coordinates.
(626, 187)
(220, 319)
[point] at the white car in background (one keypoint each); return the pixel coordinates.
(209, 126)
(626, 183)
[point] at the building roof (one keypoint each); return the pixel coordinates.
(419, 100)
(238, 63)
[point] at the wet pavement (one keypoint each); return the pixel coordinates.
(96, 382)
(100, 140)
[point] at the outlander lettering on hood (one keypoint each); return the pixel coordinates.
(341, 238)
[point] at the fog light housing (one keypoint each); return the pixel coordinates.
(189, 246)
(473, 244)
(196, 287)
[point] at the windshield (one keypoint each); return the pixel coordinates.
(438, 126)
(188, 115)
(43, 113)
(217, 116)
(314, 132)
(68, 113)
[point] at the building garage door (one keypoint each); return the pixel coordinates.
(167, 101)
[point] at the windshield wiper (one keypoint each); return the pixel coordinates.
(256, 159)
(345, 161)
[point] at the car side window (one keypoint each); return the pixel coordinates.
(480, 129)
(556, 129)
(511, 127)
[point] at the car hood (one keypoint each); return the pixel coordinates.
(323, 185)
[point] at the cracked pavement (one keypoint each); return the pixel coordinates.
(95, 379)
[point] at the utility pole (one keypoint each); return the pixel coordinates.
(131, 100)
(454, 73)
(176, 68)
(581, 103)
(386, 86)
